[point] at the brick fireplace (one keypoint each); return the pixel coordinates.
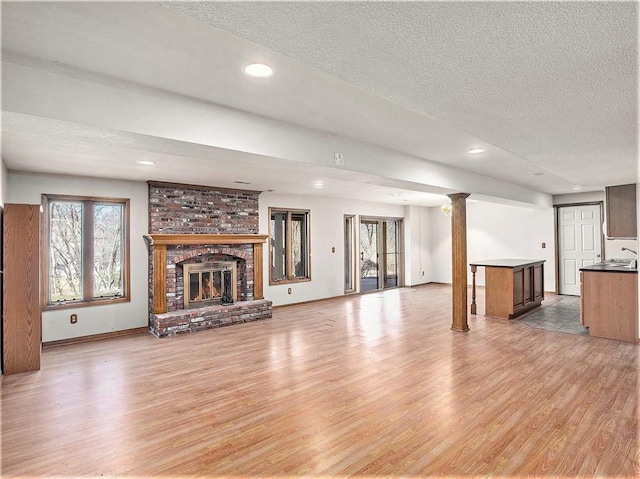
(195, 228)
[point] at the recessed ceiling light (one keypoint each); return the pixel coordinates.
(146, 162)
(258, 70)
(576, 188)
(537, 174)
(475, 151)
(395, 194)
(318, 184)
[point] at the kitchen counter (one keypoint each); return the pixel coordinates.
(609, 301)
(609, 268)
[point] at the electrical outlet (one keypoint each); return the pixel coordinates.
(74, 318)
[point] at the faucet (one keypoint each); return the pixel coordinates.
(629, 249)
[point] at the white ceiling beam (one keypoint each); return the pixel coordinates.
(89, 99)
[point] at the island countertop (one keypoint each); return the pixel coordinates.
(506, 263)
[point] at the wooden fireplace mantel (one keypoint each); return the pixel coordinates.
(178, 239)
(161, 241)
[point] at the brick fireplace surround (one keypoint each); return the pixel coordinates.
(193, 224)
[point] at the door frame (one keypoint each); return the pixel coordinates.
(556, 209)
(351, 249)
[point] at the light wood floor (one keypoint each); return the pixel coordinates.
(372, 385)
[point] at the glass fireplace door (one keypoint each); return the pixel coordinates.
(205, 285)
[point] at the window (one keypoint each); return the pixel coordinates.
(87, 252)
(289, 232)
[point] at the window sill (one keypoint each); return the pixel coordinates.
(84, 304)
(289, 281)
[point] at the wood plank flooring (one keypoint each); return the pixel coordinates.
(372, 385)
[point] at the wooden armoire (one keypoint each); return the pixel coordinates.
(21, 312)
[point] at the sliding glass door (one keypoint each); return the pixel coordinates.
(391, 254)
(380, 254)
(369, 256)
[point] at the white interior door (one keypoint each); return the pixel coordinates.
(579, 243)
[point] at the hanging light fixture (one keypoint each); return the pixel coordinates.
(446, 210)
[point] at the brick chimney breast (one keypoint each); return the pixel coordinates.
(191, 209)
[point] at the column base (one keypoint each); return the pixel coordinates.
(460, 330)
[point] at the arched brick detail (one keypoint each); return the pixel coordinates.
(181, 256)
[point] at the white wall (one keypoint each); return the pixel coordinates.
(577, 198)
(27, 188)
(496, 231)
(440, 269)
(416, 246)
(327, 231)
(3, 182)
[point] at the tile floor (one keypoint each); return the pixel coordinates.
(557, 313)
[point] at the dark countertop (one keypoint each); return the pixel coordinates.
(506, 263)
(607, 268)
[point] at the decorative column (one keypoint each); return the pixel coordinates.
(258, 292)
(159, 278)
(459, 260)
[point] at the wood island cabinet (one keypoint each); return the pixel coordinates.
(620, 211)
(21, 314)
(512, 286)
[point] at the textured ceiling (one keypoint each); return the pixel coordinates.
(555, 83)
(549, 89)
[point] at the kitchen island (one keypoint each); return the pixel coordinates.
(609, 301)
(512, 286)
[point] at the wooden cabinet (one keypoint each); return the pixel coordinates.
(527, 286)
(609, 304)
(21, 314)
(538, 282)
(512, 287)
(620, 204)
